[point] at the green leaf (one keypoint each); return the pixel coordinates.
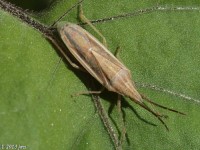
(160, 48)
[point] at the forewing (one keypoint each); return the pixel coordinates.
(81, 44)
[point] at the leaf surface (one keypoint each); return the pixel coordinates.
(160, 48)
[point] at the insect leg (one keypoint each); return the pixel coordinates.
(158, 105)
(117, 51)
(158, 116)
(85, 20)
(90, 92)
(53, 41)
(123, 128)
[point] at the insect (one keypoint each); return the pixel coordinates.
(99, 62)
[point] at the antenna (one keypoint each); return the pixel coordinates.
(76, 4)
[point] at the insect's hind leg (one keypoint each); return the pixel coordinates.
(122, 121)
(86, 20)
(161, 106)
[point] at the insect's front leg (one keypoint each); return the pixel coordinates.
(86, 20)
(74, 65)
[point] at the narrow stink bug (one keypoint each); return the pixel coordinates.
(98, 61)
